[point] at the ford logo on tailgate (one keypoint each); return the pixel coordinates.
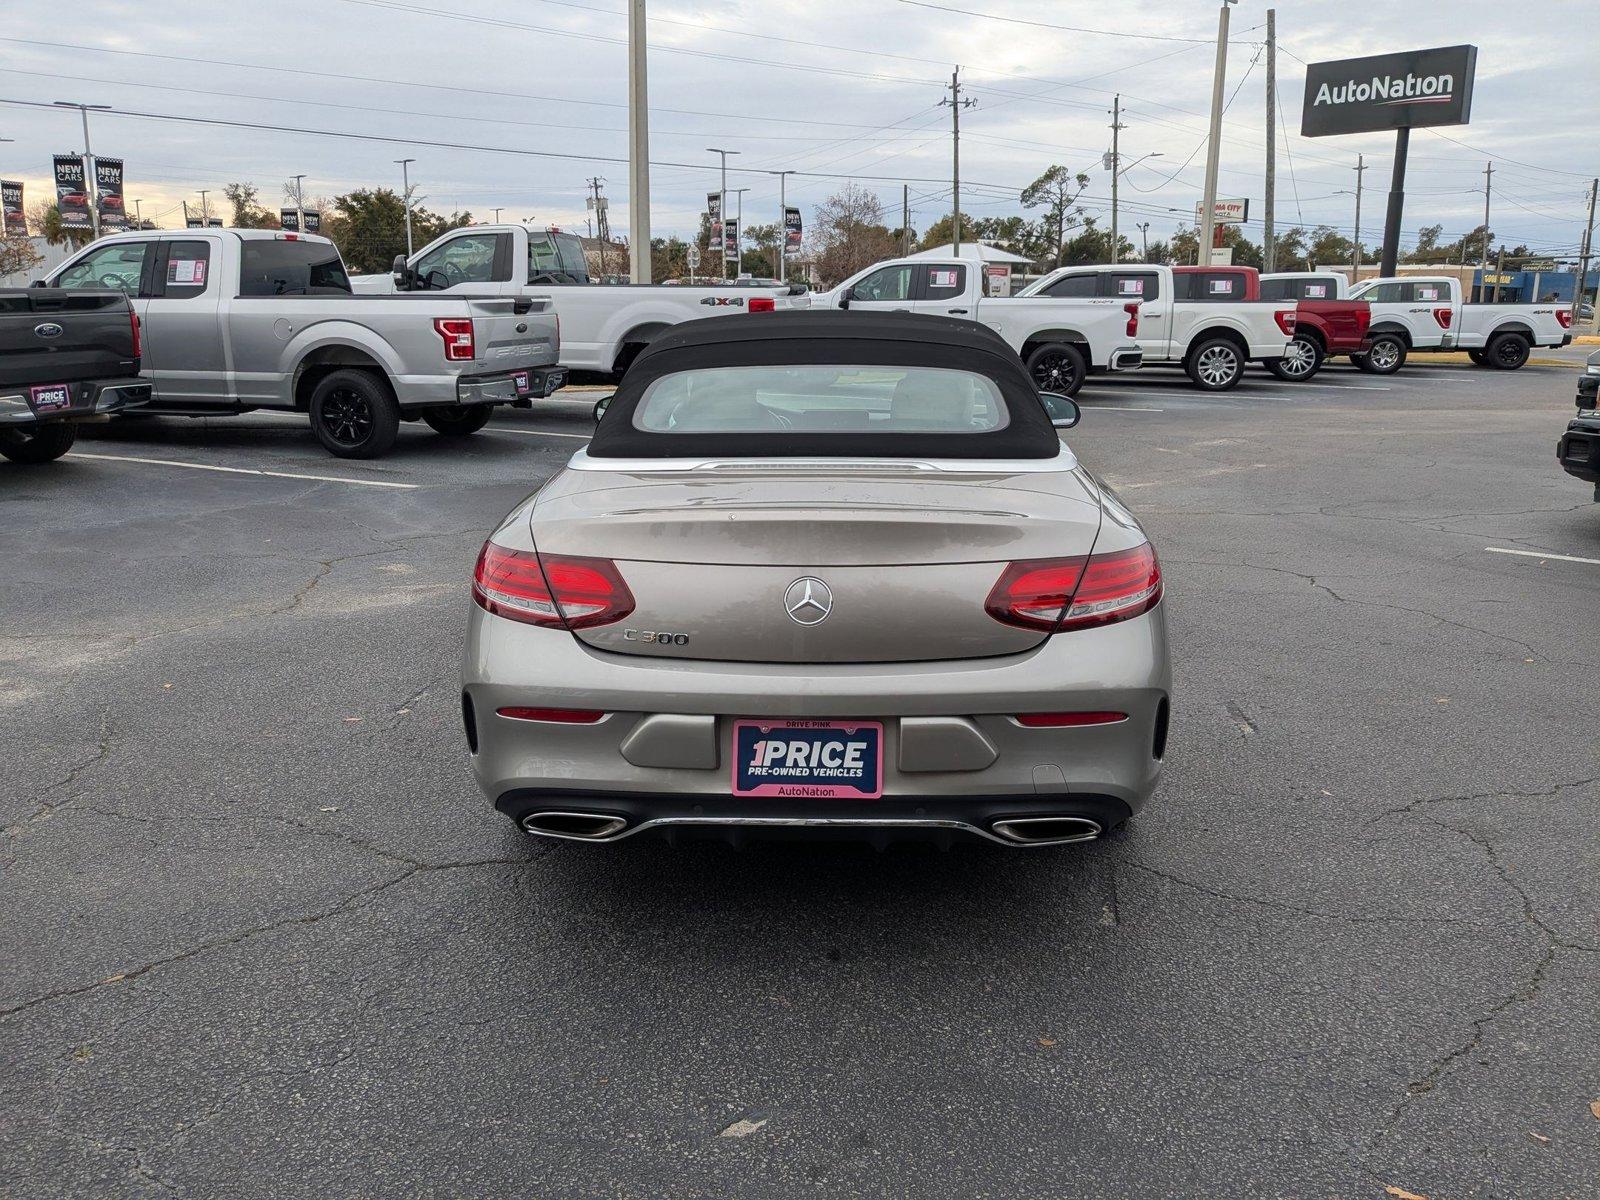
(49, 330)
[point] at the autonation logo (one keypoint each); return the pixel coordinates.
(1390, 89)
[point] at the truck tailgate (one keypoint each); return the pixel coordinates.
(514, 331)
(50, 336)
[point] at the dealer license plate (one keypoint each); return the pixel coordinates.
(50, 397)
(823, 760)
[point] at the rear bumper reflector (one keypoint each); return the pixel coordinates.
(558, 716)
(1068, 720)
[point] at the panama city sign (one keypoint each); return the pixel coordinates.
(1389, 91)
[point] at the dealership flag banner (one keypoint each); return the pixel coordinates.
(108, 189)
(289, 220)
(16, 223)
(730, 240)
(1389, 91)
(72, 198)
(714, 211)
(791, 228)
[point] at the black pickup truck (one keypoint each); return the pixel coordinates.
(1578, 452)
(65, 357)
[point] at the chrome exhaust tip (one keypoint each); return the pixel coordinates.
(1046, 831)
(574, 826)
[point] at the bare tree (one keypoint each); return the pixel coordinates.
(1057, 190)
(848, 234)
(17, 255)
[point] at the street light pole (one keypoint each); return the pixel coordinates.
(138, 214)
(1144, 232)
(1116, 171)
(205, 212)
(722, 204)
(91, 184)
(405, 184)
(739, 231)
(783, 225)
(1214, 138)
(299, 204)
(638, 146)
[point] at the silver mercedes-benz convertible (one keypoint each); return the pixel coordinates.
(820, 572)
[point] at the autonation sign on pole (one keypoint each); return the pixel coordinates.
(1390, 91)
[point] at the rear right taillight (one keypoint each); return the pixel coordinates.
(1442, 315)
(1287, 319)
(1564, 316)
(762, 304)
(1133, 319)
(460, 344)
(133, 321)
(556, 591)
(1060, 594)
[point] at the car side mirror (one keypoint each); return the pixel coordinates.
(403, 277)
(38, 283)
(846, 296)
(1063, 411)
(601, 405)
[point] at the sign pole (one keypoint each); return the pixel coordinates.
(1214, 139)
(1397, 203)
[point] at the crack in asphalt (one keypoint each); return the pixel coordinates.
(1429, 801)
(349, 903)
(46, 808)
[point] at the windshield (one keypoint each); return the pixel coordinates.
(821, 399)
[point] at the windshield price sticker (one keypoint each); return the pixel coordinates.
(1221, 287)
(1316, 291)
(1130, 287)
(1427, 293)
(190, 272)
(942, 279)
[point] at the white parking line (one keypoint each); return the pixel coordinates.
(171, 462)
(1117, 407)
(539, 432)
(1345, 387)
(1542, 554)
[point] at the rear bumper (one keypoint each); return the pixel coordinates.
(534, 383)
(949, 728)
(99, 397)
(1126, 358)
(1578, 452)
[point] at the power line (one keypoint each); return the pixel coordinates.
(967, 12)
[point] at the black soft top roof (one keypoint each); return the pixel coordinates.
(831, 338)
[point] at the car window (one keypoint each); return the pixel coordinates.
(468, 259)
(280, 267)
(188, 270)
(888, 283)
(1388, 293)
(943, 283)
(1074, 286)
(117, 266)
(1131, 285)
(1214, 286)
(1429, 293)
(821, 399)
(555, 258)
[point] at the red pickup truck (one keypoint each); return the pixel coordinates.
(1322, 327)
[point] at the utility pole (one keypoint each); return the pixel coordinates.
(1584, 255)
(722, 204)
(1116, 169)
(638, 146)
(138, 213)
(956, 104)
(905, 220)
(1488, 183)
(1144, 233)
(1360, 169)
(91, 181)
(783, 225)
(497, 213)
(739, 230)
(299, 204)
(1499, 267)
(602, 226)
(1214, 139)
(1269, 240)
(205, 210)
(405, 184)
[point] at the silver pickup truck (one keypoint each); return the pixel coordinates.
(239, 319)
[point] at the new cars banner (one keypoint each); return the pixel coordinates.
(714, 211)
(72, 197)
(108, 190)
(16, 224)
(730, 240)
(289, 220)
(313, 221)
(791, 229)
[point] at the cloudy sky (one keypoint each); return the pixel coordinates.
(516, 103)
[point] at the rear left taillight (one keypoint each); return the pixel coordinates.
(1133, 319)
(138, 345)
(1061, 594)
(1564, 315)
(460, 342)
(1442, 315)
(762, 304)
(556, 591)
(1287, 320)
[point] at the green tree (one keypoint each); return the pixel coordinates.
(761, 250)
(369, 227)
(1329, 247)
(45, 218)
(247, 214)
(1057, 192)
(1092, 244)
(1290, 252)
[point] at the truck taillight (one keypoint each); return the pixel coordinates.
(1564, 315)
(1442, 315)
(459, 341)
(133, 321)
(762, 304)
(1133, 319)
(1286, 319)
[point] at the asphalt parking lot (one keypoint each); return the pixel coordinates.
(263, 936)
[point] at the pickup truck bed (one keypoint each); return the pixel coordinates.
(65, 357)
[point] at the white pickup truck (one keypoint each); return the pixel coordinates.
(1425, 312)
(603, 326)
(1062, 341)
(1212, 341)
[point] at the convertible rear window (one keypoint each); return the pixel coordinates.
(828, 399)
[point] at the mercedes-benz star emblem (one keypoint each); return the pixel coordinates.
(808, 601)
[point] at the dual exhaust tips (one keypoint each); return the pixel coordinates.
(1012, 831)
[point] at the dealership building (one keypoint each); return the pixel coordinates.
(1515, 287)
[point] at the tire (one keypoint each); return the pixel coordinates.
(1057, 367)
(1215, 365)
(354, 415)
(458, 421)
(1386, 355)
(1300, 362)
(1479, 357)
(41, 444)
(1507, 351)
